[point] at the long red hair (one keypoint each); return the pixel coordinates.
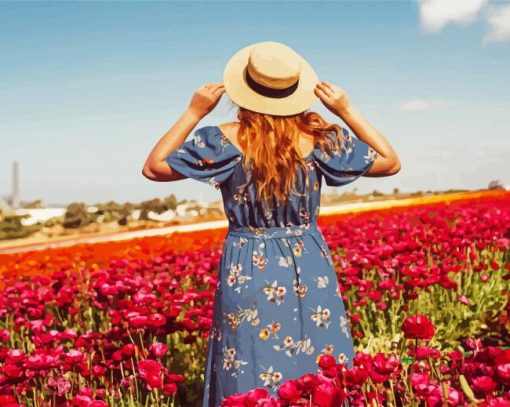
(270, 146)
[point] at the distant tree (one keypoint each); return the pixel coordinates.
(171, 202)
(496, 184)
(12, 228)
(76, 216)
(124, 214)
(129, 206)
(153, 205)
(396, 191)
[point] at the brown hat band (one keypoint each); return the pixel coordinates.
(269, 92)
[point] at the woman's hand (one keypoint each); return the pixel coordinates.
(206, 98)
(333, 97)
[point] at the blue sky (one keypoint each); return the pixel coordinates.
(88, 88)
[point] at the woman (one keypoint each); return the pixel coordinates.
(278, 306)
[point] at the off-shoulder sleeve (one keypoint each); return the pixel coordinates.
(346, 164)
(208, 157)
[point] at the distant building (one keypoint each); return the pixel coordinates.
(4, 206)
(39, 215)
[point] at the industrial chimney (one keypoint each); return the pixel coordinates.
(15, 184)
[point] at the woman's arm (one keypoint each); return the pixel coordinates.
(336, 100)
(204, 100)
(155, 167)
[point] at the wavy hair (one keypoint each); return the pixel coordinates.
(271, 154)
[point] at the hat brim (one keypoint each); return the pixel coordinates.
(243, 95)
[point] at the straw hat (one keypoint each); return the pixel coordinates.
(270, 77)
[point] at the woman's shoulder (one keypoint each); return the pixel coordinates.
(207, 157)
(230, 129)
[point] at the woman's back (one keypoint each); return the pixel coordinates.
(212, 157)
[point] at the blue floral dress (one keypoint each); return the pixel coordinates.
(277, 304)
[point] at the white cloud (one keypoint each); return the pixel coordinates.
(436, 14)
(498, 20)
(430, 104)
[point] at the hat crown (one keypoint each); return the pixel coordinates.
(274, 65)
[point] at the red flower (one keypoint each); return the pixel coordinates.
(308, 381)
(496, 402)
(484, 384)
(419, 379)
(253, 396)
(327, 362)
(289, 391)
(386, 284)
(170, 388)
(357, 375)
(150, 371)
(418, 327)
(234, 400)
(385, 364)
(157, 320)
(81, 400)
(504, 373)
(12, 371)
(424, 352)
(375, 295)
(8, 401)
(327, 395)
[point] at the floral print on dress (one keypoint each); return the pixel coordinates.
(235, 277)
(347, 163)
(344, 324)
(231, 363)
(235, 319)
(322, 282)
(275, 293)
(258, 258)
(321, 316)
(270, 377)
(291, 347)
(270, 331)
(274, 312)
(300, 289)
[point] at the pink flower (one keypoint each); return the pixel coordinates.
(504, 373)
(463, 300)
(158, 349)
(503, 243)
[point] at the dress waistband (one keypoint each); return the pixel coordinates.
(273, 232)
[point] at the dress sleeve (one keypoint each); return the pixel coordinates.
(208, 157)
(346, 164)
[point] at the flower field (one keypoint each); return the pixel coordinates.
(126, 323)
